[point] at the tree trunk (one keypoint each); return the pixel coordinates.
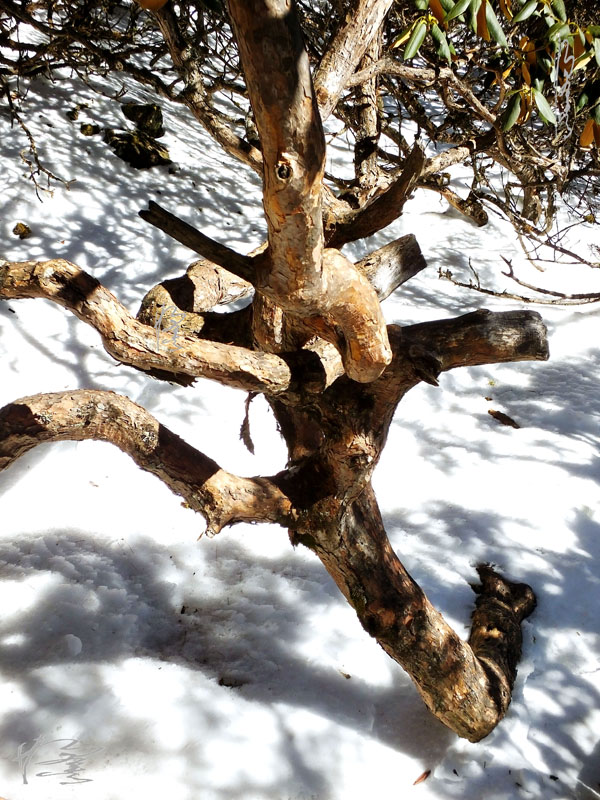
(467, 686)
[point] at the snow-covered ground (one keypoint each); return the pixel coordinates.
(137, 660)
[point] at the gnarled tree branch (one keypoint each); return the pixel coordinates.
(221, 497)
(134, 343)
(303, 279)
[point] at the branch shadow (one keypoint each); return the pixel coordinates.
(113, 603)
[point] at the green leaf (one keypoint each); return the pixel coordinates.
(559, 30)
(422, 5)
(597, 51)
(596, 113)
(545, 63)
(558, 7)
(447, 5)
(543, 107)
(458, 9)
(512, 112)
(593, 29)
(473, 9)
(494, 26)
(584, 99)
(416, 40)
(526, 11)
(439, 37)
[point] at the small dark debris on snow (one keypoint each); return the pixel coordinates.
(231, 682)
(22, 230)
(553, 777)
(456, 773)
(503, 418)
(87, 129)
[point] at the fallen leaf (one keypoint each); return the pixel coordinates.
(503, 418)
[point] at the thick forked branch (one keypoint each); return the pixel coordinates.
(423, 351)
(134, 343)
(221, 497)
(481, 337)
(466, 686)
(346, 50)
(302, 279)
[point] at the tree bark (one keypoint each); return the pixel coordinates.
(221, 497)
(302, 278)
(346, 50)
(142, 346)
(467, 686)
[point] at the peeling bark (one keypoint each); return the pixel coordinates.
(346, 50)
(303, 279)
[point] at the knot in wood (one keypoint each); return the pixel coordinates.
(283, 170)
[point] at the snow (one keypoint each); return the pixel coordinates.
(138, 659)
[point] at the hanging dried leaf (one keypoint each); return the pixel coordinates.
(245, 429)
(587, 135)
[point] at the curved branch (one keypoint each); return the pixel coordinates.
(134, 343)
(383, 208)
(221, 497)
(467, 686)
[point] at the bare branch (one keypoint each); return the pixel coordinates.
(222, 498)
(195, 96)
(482, 337)
(558, 298)
(392, 265)
(383, 209)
